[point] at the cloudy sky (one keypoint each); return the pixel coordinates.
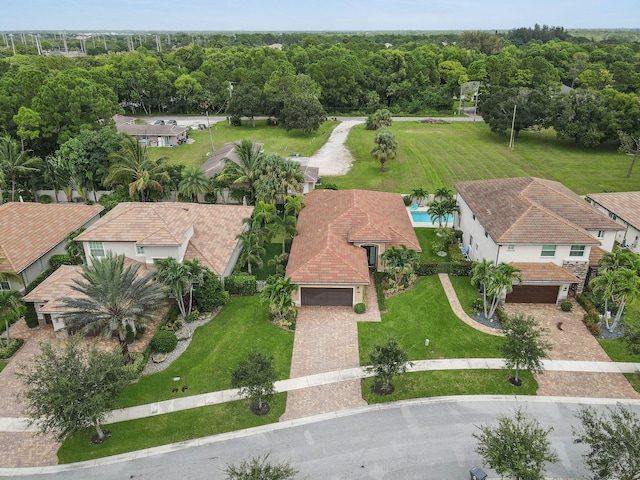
(310, 15)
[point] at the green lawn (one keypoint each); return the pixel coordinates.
(276, 140)
(432, 156)
(424, 312)
(426, 237)
(2, 365)
(617, 351)
(271, 250)
(215, 350)
(452, 382)
(169, 428)
(466, 292)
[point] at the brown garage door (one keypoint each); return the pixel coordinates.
(533, 294)
(327, 296)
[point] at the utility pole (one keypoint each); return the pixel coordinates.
(13, 47)
(513, 124)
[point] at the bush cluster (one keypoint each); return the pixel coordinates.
(566, 306)
(460, 267)
(164, 341)
(359, 308)
(209, 294)
(63, 259)
(139, 361)
(245, 285)
(425, 268)
(30, 315)
(14, 345)
(592, 318)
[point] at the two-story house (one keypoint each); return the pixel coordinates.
(623, 208)
(537, 225)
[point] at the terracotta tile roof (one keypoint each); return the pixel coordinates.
(544, 272)
(595, 255)
(59, 284)
(533, 211)
(322, 251)
(167, 223)
(625, 205)
(215, 163)
(30, 230)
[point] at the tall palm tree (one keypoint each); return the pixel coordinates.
(438, 212)
(3, 182)
(11, 308)
(501, 281)
(134, 167)
(293, 204)
(252, 251)
(480, 277)
(57, 173)
(113, 297)
(619, 259)
(15, 162)
(419, 194)
(180, 278)
(443, 193)
(449, 206)
(194, 182)
(386, 146)
(604, 284)
(260, 219)
(285, 226)
(246, 172)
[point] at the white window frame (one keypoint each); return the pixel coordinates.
(548, 252)
(600, 234)
(5, 285)
(577, 250)
(96, 247)
(612, 216)
(511, 248)
(139, 250)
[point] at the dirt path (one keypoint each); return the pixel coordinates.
(334, 158)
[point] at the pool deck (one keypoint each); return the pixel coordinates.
(420, 224)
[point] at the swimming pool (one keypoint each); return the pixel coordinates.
(424, 217)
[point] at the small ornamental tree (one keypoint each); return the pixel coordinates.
(523, 346)
(387, 361)
(260, 468)
(255, 377)
(516, 448)
(386, 146)
(379, 118)
(72, 389)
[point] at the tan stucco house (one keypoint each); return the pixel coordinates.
(31, 233)
(341, 237)
(622, 208)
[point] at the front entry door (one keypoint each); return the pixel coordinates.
(372, 255)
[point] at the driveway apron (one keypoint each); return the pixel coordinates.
(572, 340)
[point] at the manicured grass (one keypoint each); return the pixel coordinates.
(617, 351)
(426, 237)
(424, 312)
(452, 382)
(2, 365)
(169, 428)
(275, 139)
(215, 350)
(272, 250)
(432, 156)
(466, 292)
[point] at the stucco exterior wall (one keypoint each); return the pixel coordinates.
(474, 234)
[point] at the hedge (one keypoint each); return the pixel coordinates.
(382, 301)
(241, 285)
(460, 267)
(14, 345)
(425, 268)
(209, 294)
(30, 315)
(63, 259)
(592, 318)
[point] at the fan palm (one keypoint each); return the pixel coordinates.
(246, 171)
(134, 167)
(57, 172)
(112, 297)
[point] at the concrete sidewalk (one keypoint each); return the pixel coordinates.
(9, 424)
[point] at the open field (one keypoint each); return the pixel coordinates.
(432, 156)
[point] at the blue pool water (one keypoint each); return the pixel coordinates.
(424, 217)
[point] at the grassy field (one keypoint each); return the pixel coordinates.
(215, 350)
(169, 428)
(424, 312)
(432, 156)
(448, 382)
(276, 140)
(426, 237)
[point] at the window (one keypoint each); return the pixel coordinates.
(548, 251)
(486, 234)
(577, 251)
(96, 249)
(5, 285)
(612, 216)
(474, 217)
(511, 248)
(139, 250)
(600, 233)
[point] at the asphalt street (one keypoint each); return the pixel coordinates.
(419, 439)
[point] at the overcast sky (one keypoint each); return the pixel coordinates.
(313, 15)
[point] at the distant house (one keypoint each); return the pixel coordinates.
(144, 232)
(342, 235)
(540, 227)
(623, 208)
(155, 135)
(31, 233)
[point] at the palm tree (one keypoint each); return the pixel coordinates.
(194, 182)
(293, 205)
(480, 277)
(134, 167)
(11, 308)
(443, 193)
(285, 226)
(277, 177)
(619, 285)
(619, 259)
(277, 294)
(15, 162)
(57, 172)
(262, 215)
(111, 298)
(252, 251)
(386, 146)
(449, 206)
(438, 212)
(3, 182)
(246, 172)
(180, 279)
(418, 195)
(6, 276)
(501, 281)
(604, 284)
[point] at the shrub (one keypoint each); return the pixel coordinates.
(38, 280)
(164, 341)
(407, 200)
(329, 186)
(425, 268)
(566, 306)
(63, 259)
(478, 305)
(209, 294)
(501, 315)
(379, 278)
(46, 199)
(359, 308)
(592, 320)
(459, 266)
(14, 345)
(132, 337)
(30, 315)
(241, 285)
(135, 368)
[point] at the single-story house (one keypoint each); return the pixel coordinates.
(215, 164)
(341, 237)
(155, 135)
(539, 226)
(623, 208)
(31, 233)
(144, 232)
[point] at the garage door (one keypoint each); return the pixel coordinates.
(533, 294)
(327, 296)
